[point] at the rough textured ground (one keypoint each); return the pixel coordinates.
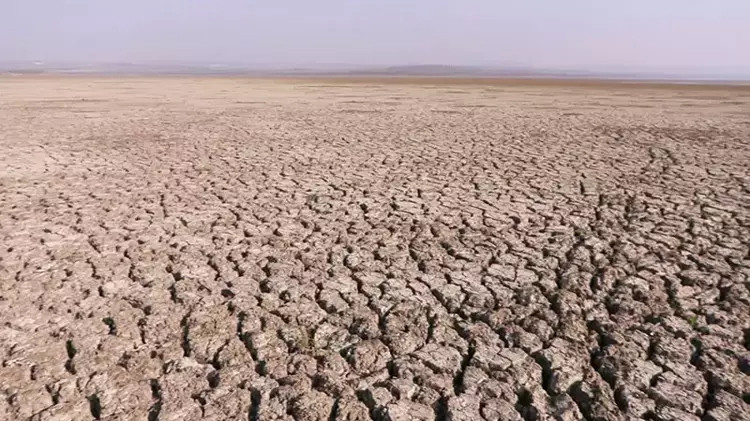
(228, 249)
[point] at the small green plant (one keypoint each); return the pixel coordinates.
(110, 322)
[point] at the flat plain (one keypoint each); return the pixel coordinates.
(386, 249)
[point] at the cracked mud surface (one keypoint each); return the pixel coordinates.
(228, 249)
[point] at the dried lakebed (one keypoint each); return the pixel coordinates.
(237, 249)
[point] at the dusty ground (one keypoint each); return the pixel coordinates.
(229, 249)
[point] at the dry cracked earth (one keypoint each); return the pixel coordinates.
(236, 249)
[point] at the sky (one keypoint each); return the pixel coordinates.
(644, 35)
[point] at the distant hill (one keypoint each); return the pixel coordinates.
(425, 70)
(343, 70)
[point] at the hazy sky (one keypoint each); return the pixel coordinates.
(583, 34)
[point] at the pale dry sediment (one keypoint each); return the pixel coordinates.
(186, 249)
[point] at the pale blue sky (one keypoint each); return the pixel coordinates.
(582, 34)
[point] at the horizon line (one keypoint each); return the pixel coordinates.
(343, 69)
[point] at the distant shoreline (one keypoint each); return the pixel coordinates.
(339, 79)
(344, 71)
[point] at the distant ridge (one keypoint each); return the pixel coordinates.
(426, 70)
(340, 70)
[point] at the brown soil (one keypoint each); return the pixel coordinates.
(237, 249)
